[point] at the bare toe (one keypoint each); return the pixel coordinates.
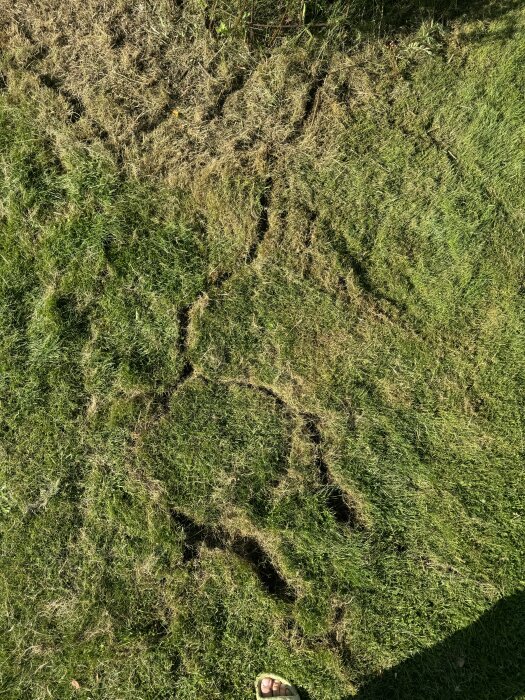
(276, 688)
(266, 687)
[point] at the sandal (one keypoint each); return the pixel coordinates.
(274, 677)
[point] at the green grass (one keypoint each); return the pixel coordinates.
(285, 434)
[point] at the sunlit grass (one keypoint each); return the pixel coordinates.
(284, 437)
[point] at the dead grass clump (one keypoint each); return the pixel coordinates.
(130, 65)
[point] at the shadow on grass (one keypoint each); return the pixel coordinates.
(485, 661)
(395, 15)
(392, 14)
(372, 18)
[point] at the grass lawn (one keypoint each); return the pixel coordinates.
(262, 349)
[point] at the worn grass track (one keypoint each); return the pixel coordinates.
(262, 349)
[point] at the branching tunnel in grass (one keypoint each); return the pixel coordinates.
(77, 108)
(263, 222)
(336, 499)
(261, 355)
(312, 99)
(247, 548)
(236, 85)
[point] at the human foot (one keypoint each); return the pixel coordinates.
(272, 686)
